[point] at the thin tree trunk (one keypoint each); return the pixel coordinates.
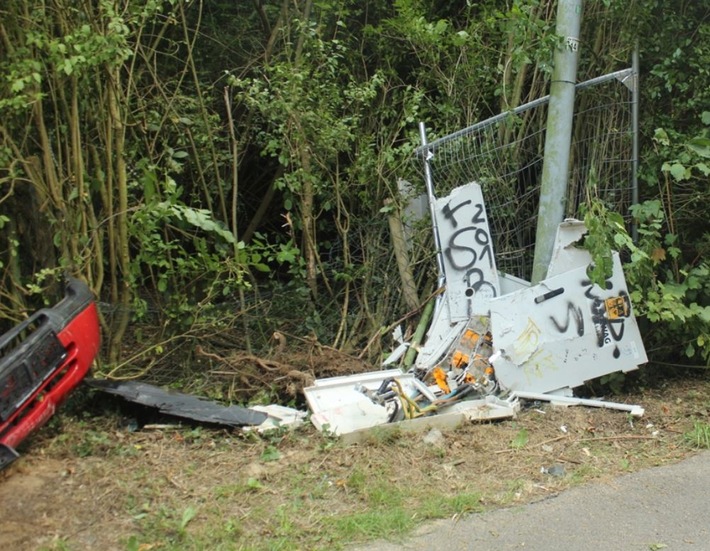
(121, 183)
(235, 233)
(399, 243)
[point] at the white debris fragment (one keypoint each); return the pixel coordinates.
(278, 417)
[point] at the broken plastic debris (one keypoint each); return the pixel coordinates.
(278, 417)
(555, 470)
(178, 404)
(351, 405)
(634, 410)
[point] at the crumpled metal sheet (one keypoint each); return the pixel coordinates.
(178, 404)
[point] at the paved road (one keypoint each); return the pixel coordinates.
(661, 508)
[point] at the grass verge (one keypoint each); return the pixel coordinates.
(98, 485)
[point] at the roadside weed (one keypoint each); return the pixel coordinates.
(699, 436)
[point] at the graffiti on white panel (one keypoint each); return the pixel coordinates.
(529, 353)
(541, 361)
(608, 315)
(528, 341)
(574, 319)
(468, 247)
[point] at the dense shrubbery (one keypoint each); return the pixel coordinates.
(211, 164)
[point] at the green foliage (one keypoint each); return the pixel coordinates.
(271, 453)
(606, 233)
(520, 440)
(76, 52)
(323, 103)
(699, 436)
(673, 299)
(679, 57)
(666, 270)
(671, 286)
(690, 159)
(311, 109)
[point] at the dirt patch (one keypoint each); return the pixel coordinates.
(88, 482)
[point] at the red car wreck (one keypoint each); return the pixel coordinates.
(41, 361)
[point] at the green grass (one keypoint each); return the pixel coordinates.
(449, 506)
(384, 511)
(200, 489)
(374, 523)
(583, 473)
(699, 436)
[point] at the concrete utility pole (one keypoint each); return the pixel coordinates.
(555, 167)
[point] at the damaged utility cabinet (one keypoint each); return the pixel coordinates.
(493, 334)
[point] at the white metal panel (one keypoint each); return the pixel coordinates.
(561, 333)
(566, 255)
(510, 283)
(467, 248)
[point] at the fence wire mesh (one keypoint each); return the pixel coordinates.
(504, 154)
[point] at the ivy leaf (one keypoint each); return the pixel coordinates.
(678, 171)
(202, 218)
(254, 484)
(616, 218)
(690, 350)
(270, 454)
(700, 146)
(661, 136)
(18, 85)
(187, 515)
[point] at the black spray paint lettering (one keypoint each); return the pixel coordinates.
(461, 241)
(574, 312)
(590, 286)
(608, 330)
(475, 280)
